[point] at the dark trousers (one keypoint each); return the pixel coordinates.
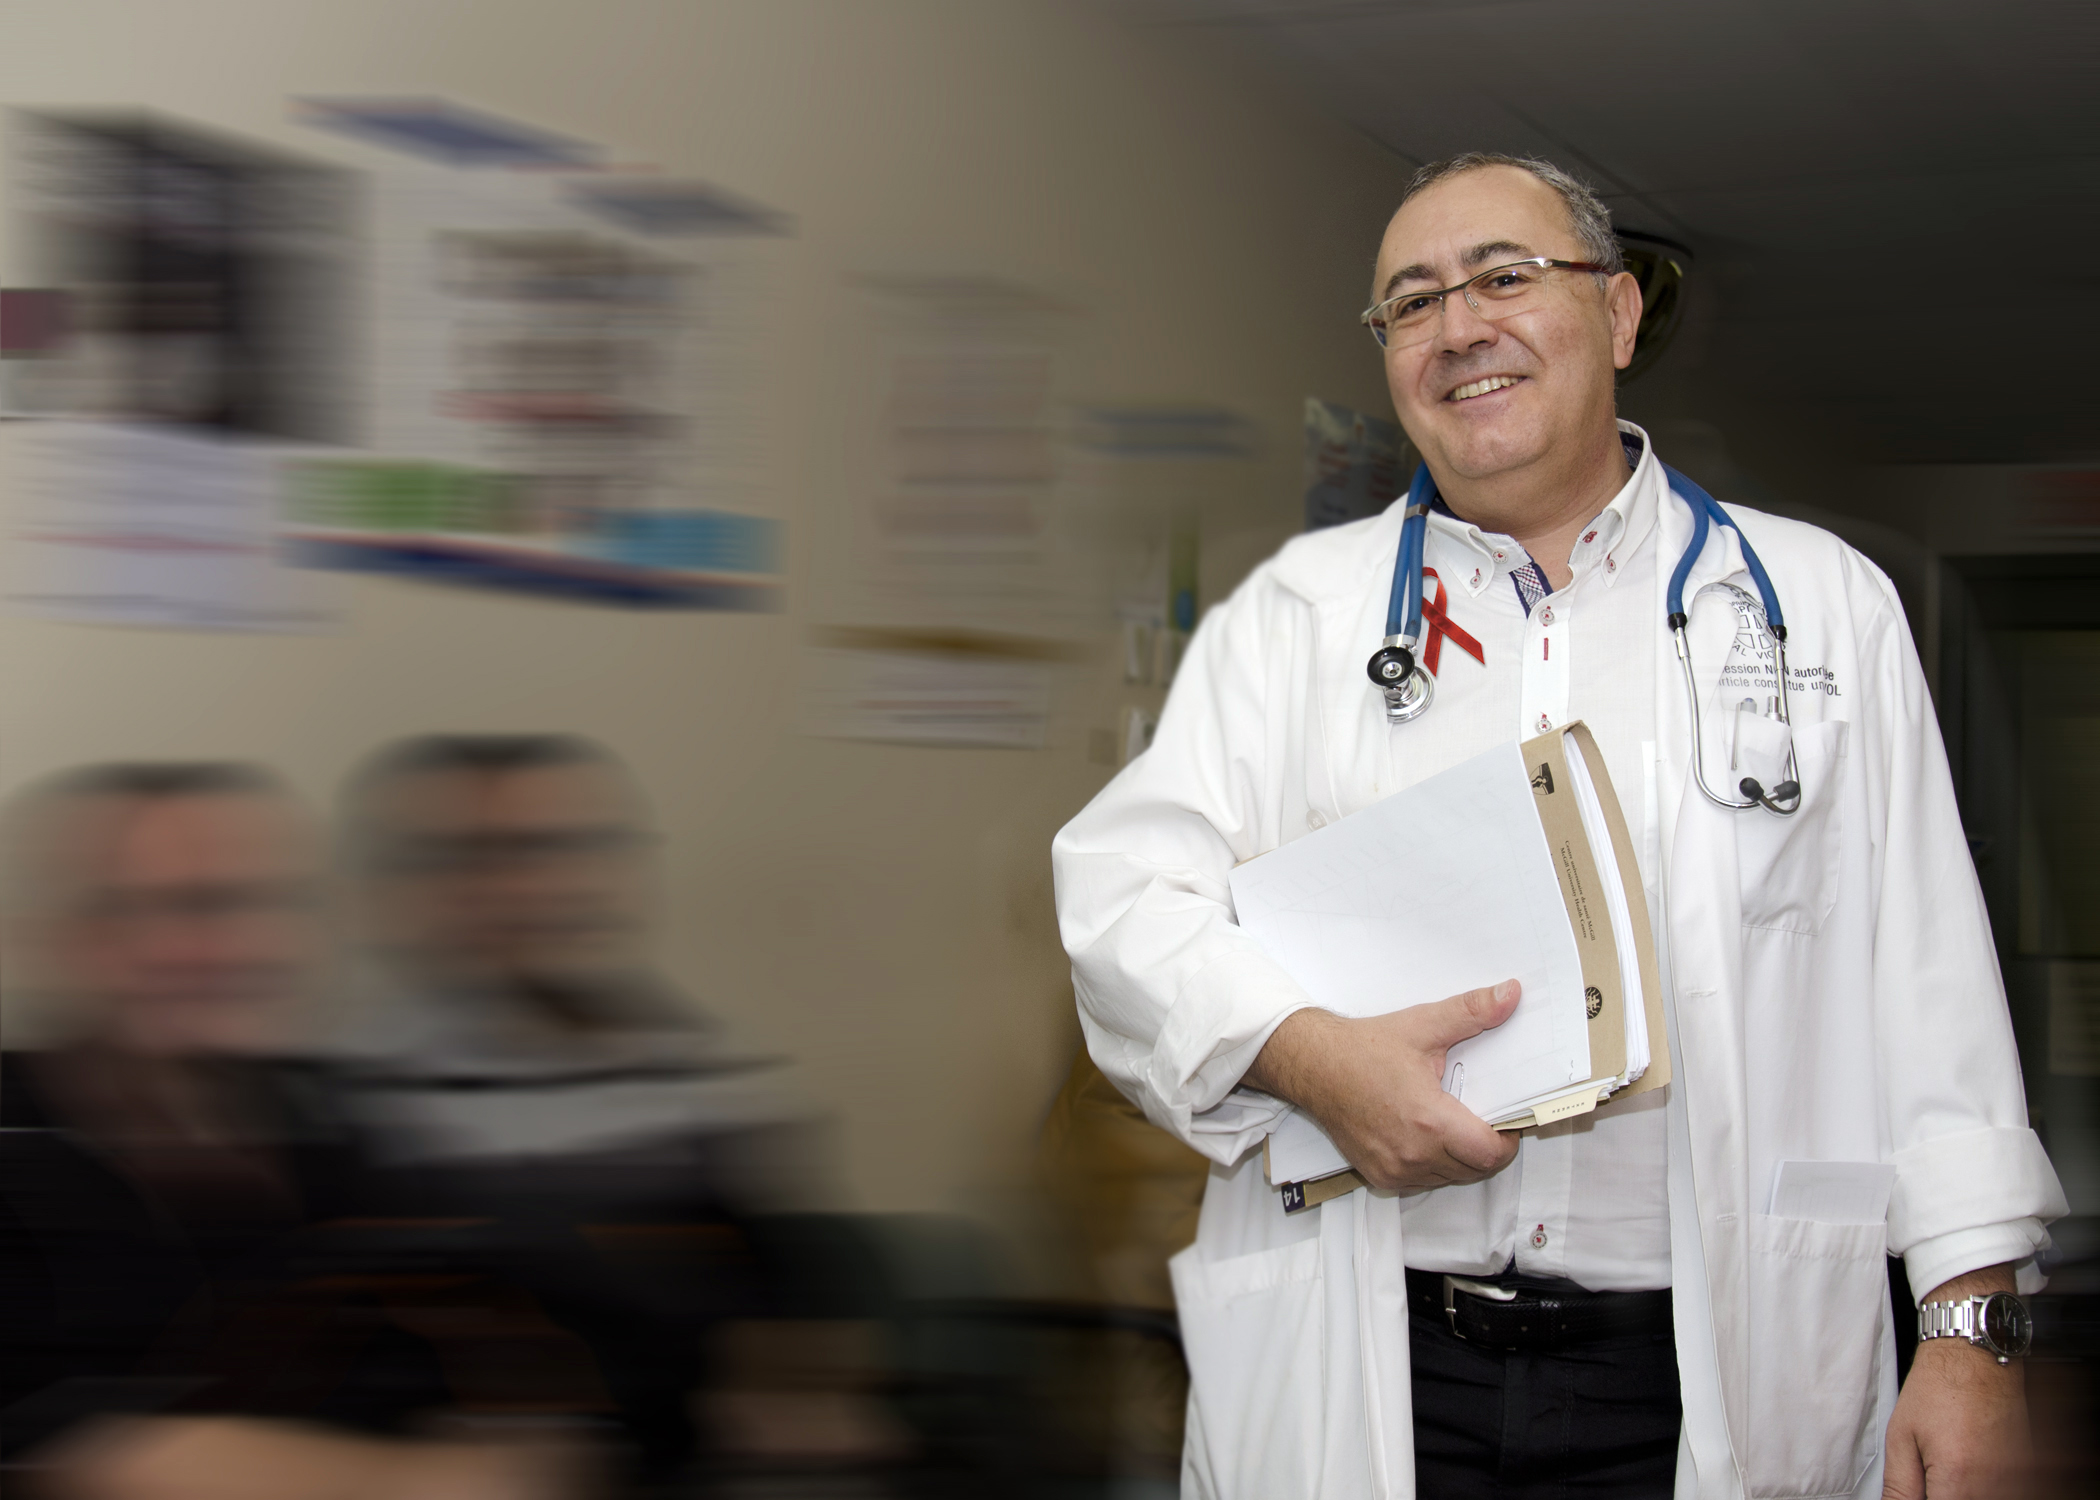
(1598, 1418)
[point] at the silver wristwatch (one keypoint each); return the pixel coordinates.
(1999, 1323)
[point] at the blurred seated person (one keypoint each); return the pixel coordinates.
(162, 1171)
(520, 1059)
(511, 1008)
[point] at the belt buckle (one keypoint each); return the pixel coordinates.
(1453, 1285)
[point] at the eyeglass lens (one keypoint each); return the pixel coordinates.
(1412, 317)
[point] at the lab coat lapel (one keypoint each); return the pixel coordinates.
(1369, 1448)
(1350, 622)
(1381, 1277)
(1702, 914)
(1710, 633)
(1673, 533)
(1712, 629)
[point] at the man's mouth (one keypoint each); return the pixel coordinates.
(1483, 387)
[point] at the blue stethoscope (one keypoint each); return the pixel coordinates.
(1408, 686)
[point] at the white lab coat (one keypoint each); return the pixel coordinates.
(1831, 983)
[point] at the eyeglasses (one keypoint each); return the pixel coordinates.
(1412, 317)
(498, 852)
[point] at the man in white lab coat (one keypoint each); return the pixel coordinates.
(1643, 1316)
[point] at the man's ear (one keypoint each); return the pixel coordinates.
(1622, 299)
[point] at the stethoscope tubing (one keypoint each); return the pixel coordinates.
(1785, 798)
(1403, 611)
(1408, 687)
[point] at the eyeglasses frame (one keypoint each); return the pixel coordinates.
(1466, 286)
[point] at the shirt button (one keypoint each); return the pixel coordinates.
(1538, 1238)
(1544, 723)
(1316, 819)
(1476, 578)
(1546, 615)
(1611, 565)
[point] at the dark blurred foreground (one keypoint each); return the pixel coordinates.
(534, 1227)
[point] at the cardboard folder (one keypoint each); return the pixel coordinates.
(1517, 860)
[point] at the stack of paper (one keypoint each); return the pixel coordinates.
(1516, 864)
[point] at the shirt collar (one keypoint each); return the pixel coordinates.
(1613, 537)
(1623, 525)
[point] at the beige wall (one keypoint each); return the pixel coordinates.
(881, 912)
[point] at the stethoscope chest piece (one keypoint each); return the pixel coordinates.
(1406, 684)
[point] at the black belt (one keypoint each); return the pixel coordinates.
(1513, 1313)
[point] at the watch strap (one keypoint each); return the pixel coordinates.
(1967, 1318)
(1948, 1320)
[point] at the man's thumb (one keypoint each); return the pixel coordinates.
(1470, 1014)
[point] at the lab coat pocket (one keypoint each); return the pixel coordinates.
(1253, 1327)
(1819, 1317)
(1788, 866)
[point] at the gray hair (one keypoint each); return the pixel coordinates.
(1587, 215)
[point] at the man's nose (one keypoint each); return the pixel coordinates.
(1461, 327)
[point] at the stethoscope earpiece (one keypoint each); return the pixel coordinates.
(1786, 791)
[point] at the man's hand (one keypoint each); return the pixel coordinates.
(1960, 1425)
(1376, 1087)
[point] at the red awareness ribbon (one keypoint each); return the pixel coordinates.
(1440, 625)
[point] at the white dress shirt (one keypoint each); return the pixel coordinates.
(1587, 1198)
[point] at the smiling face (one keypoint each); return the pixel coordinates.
(1489, 397)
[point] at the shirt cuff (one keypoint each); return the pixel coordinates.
(1933, 1263)
(1217, 1026)
(1237, 1124)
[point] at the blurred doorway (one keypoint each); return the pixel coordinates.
(2019, 704)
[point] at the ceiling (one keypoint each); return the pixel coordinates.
(1894, 208)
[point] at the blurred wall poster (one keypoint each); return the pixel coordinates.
(567, 391)
(955, 504)
(868, 692)
(953, 570)
(1355, 465)
(187, 340)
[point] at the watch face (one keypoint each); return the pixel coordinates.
(2007, 1327)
